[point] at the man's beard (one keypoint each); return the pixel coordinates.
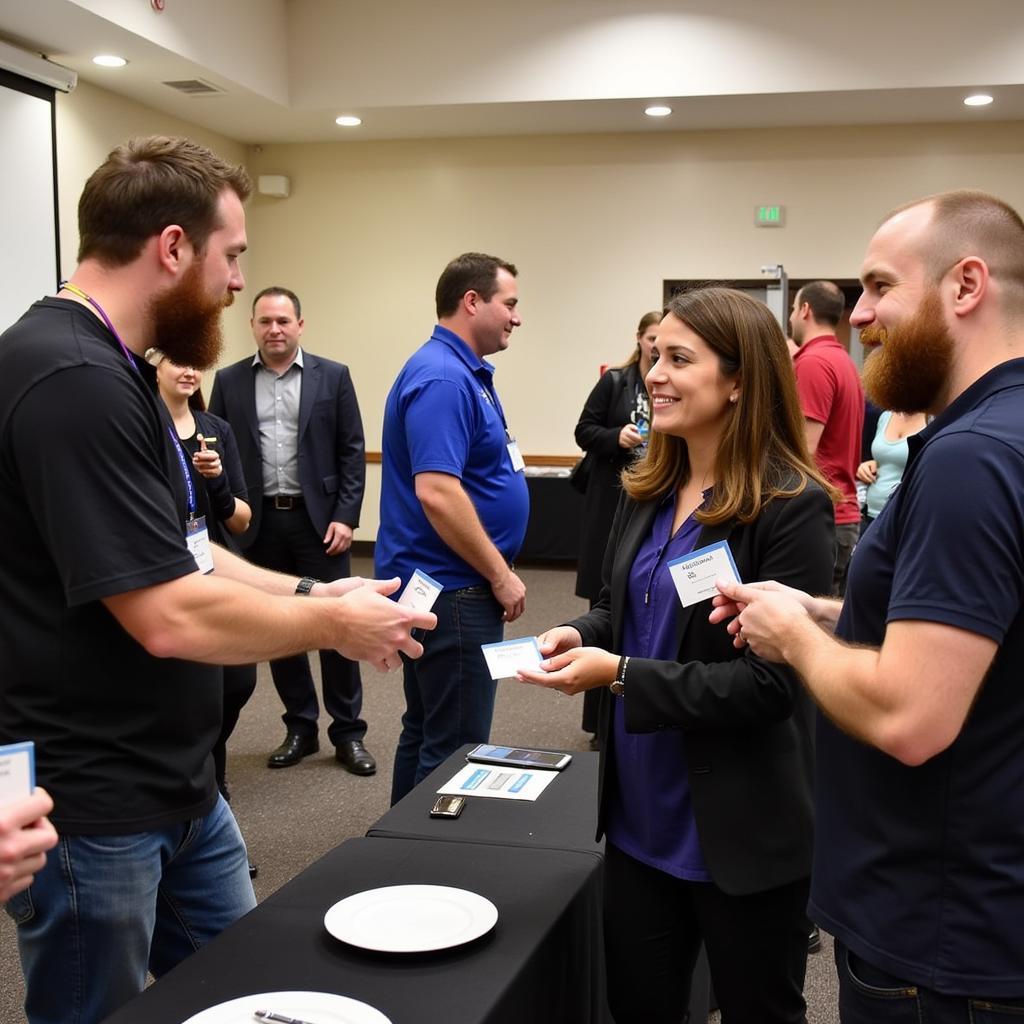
(187, 322)
(909, 370)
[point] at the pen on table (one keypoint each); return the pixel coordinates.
(280, 1017)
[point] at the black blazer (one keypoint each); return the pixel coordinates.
(608, 409)
(332, 453)
(748, 723)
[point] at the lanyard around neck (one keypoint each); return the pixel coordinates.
(74, 289)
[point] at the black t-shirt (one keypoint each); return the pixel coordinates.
(94, 504)
(920, 870)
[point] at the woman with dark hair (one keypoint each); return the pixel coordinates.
(612, 430)
(212, 451)
(706, 763)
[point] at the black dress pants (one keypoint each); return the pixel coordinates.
(654, 925)
(288, 542)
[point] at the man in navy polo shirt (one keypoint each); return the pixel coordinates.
(454, 504)
(919, 865)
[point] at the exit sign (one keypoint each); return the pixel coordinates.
(769, 216)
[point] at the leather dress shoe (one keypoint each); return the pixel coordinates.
(814, 940)
(253, 870)
(293, 750)
(355, 757)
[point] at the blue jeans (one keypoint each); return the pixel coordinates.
(449, 694)
(107, 908)
(868, 995)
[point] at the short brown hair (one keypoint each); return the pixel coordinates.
(147, 184)
(276, 289)
(826, 300)
(470, 272)
(967, 222)
(763, 450)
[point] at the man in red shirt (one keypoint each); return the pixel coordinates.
(833, 403)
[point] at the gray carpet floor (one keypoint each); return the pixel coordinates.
(291, 817)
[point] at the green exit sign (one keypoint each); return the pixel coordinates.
(769, 216)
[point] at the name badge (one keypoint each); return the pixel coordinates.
(515, 455)
(694, 574)
(198, 539)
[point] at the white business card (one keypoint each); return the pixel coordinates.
(694, 574)
(420, 592)
(17, 771)
(505, 659)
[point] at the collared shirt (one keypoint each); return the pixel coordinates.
(277, 413)
(920, 870)
(443, 415)
(650, 813)
(830, 393)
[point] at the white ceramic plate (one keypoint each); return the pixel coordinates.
(411, 918)
(316, 1007)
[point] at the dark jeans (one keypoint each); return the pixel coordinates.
(868, 995)
(449, 694)
(288, 542)
(847, 535)
(654, 925)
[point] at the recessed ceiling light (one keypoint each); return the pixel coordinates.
(979, 99)
(109, 60)
(348, 121)
(658, 110)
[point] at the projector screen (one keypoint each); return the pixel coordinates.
(29, 254)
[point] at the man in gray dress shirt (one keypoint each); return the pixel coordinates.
(300, 437)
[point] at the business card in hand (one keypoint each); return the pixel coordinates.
(420, 592)
(17, 771)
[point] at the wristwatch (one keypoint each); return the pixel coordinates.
(618, 687)
(305, 586)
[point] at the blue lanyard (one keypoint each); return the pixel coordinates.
(185, 473)
(67, 286)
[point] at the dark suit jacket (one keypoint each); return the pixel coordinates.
(747, 723)
(332, 454)
(608, 409)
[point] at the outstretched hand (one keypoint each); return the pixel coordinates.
(573, 671)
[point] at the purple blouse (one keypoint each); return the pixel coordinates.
(650, 814)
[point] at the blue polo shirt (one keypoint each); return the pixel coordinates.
(442, 415)
(920, 871)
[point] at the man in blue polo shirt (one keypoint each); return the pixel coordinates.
(454, 504)
(919, 864)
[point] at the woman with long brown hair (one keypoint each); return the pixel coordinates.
(706, 764)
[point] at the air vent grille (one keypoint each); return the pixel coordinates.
(194, 87)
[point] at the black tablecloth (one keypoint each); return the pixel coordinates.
(563, 817)
(542, 961)
(553, 529)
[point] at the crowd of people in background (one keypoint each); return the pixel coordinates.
(130, 630)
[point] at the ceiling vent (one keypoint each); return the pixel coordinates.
(195, 87)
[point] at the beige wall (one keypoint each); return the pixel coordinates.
(595, 223)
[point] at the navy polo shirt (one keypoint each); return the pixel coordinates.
(443, 415)
(920, 870)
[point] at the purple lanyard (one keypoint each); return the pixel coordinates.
(74, 289)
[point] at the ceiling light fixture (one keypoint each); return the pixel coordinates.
(109, 60)
(658, 110)
(979, 99)
(348, 121)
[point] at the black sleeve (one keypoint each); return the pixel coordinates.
(93, 463)
(592, 432)
(351, 454)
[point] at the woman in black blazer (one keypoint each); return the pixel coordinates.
(706, 770)
(612, 430)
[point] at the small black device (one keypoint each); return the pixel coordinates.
(520, 757)
(447, 807)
